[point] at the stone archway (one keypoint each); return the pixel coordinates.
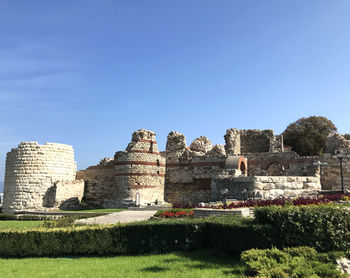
(275, 169)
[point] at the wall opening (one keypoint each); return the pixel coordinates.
(276, 169)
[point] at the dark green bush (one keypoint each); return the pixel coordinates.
(322, 227)
(230, 233)
(301, 262)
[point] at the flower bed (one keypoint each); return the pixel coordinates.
(178, 214)
(174, 213)
(300, 201)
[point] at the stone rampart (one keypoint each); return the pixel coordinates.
(189, 171)
(330, 173)
(281, 164)
(32, 173)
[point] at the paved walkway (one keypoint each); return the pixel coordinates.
(122, 216)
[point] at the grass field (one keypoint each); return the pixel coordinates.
(22, 224)
(198, 264)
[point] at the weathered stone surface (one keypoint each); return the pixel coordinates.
(233, 141)
(144, 140)
(337, 143)
(36, 177)
(217, 150)
(201, 145)
(176, 142)
(106, 161)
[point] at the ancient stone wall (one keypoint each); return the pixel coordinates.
(330, 174)
(281, 164)
(69, 194)
(258, 187)
(32, 173)
(189, 170)
(252, 141)
(136, 174)
(99, 182)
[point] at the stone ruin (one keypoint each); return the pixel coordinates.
(252, 164)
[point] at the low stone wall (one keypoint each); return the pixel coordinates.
(262, 187)
(206, 212)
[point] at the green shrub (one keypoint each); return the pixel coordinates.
(290, 262)
(231, 234)
(322, 227)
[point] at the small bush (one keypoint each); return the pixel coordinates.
(289, 262)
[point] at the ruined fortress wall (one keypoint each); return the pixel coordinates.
(32, 170)
(69, 194)
(289, 164)
(189, 170)
(252, 141)
(100, 183)
(190, 182)
(140, 171)
(263, 187)
(330, 174)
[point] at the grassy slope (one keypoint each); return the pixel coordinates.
(15, 224)
(198, 264)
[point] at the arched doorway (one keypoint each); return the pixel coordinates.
(275, 169)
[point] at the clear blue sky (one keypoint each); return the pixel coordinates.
(88, 73)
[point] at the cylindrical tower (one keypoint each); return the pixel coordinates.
(32, 171)
(140, 171)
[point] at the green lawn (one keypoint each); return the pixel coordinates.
(198, 264)
(19, 224)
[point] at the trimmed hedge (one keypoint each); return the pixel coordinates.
(322, 227)
(229, 233)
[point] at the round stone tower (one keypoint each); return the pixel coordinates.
(140, 171)
(31, 172)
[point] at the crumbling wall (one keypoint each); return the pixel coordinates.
(260, 141)
(252, 141)
(233, 141)
(32, 173)
(290, 163)
(69, 194)
(337, 143)
(189, 170)
(137, 171)
(242, 188)
(99, 183)
(140, 172)
(330, 173)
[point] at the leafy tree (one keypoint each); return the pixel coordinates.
(347, 136)
(307, 136)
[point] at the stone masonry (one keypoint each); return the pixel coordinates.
(252, 163)
(35, 174)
